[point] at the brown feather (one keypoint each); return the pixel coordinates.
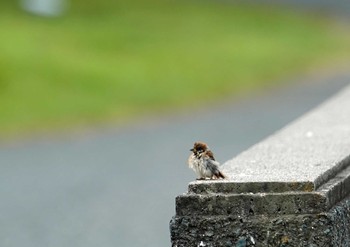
(210, 154)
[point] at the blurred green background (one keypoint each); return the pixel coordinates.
(114, 61)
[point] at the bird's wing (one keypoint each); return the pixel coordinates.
(210, 154)
(212, 165)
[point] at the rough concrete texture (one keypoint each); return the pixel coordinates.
(226, 198)
(311, 149)
(329, 229)
(288, 190)
(228, 186)
(251, 204)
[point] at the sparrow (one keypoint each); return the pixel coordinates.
(202, 161)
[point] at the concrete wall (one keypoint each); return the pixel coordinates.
(292, 189)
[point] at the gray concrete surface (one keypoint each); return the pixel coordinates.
(116, 187)
(302, 169)
(329, 229)
(311, 149)
(309, 158)
(204, 199)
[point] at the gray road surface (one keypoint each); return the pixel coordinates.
(333, 8)
(117, 187)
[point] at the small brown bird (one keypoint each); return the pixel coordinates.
(202, 161)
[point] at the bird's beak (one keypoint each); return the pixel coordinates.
(191, 149)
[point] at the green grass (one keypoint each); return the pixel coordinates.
(113, 61)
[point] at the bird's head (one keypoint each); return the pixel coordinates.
(199, 147)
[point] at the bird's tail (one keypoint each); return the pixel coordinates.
(219, 174)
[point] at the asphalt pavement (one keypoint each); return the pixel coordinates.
(117, 186)
(334, 8)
